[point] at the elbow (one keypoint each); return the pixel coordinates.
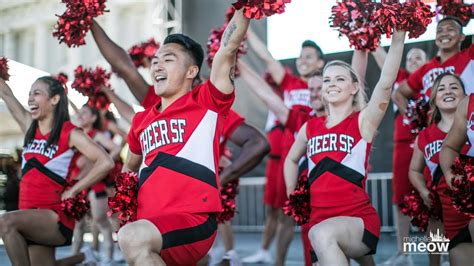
(107, 163)
(263, 146)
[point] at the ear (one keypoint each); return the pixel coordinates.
(192, 72)
(463, 37)
(356, 88)
(55, 99)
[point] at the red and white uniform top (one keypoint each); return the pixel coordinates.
(180, 149)
(461, 64)
(338, 160)
(470, 125)
(46, 170)
(430, 140)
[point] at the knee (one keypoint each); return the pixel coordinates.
(6, 224)
(321, 238)
(101, 221)
(272, 213)
(135, 238)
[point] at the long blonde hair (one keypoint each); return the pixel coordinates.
(360, 98)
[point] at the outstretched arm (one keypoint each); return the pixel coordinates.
(223, 66)
(371, 117)
(401, 95)
(254, 147)
(274, 67)
(359, 64)
(264, 92)
(415, 174)
(454, 141)
(291, 162)
(19, 113)
(118, 58)
(379, 55)
(124, 109)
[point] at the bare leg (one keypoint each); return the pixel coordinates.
(78, 239)
(99, 208)
(337, 239)
(141, 243)
(403, 229)
(286, 231)
(270, 227)
(227, 235)
(17, 226)
(41, 255)
(366, 260)
(462, 255)
(71, 260)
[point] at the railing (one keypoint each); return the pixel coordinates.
(251, 210)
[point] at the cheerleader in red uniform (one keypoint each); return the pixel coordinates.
(51, 147)
(459, 228)
(90, 121)
(344, 223)
(425, 173)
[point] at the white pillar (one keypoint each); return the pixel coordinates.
(9, 44)
(40, 47)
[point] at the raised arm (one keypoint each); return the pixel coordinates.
(371, 117)
(101, 161)
(223, 66)
(107, 143)
(274, 67)
(120, 61)
(264, 92)
(19, 113)
(401, 95)
(291, 162)
(124, 109)
(359, 64)
(415, 174)
(454, 141)
(379, 55)
(254, 147)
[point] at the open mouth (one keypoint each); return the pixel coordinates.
(449, 99)
(444, 41)
(33, 108)
(159, 78)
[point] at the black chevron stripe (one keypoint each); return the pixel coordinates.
(329, 165)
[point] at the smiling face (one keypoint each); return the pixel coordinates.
(448, 35)
(171, 70)
(338, 85)
(308, 63)
(415, 59)
(85, 117)
(40, 103)
(448, 94)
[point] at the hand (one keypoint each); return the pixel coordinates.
(68, 194)
(425, 195)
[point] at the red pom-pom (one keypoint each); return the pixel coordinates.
(63, 78)
(417, 115)
(456, 9)
(76, 207)
(214, 42)
(414, 207)
(353, 19)
(415, 16)
(298, 204)
(124, 202)
(386, 16)
(462, 193)
(88, 82)
(4, 68)
(76, 21)
(257, 9)
(228, 193)
(145, 50)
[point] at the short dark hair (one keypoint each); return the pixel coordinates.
(193, 48)
(309, 43)
(455, 19)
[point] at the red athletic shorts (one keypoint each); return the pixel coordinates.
(401, 186)
(187, 237)
(456, 224)
(365, 211)
(272, 172)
